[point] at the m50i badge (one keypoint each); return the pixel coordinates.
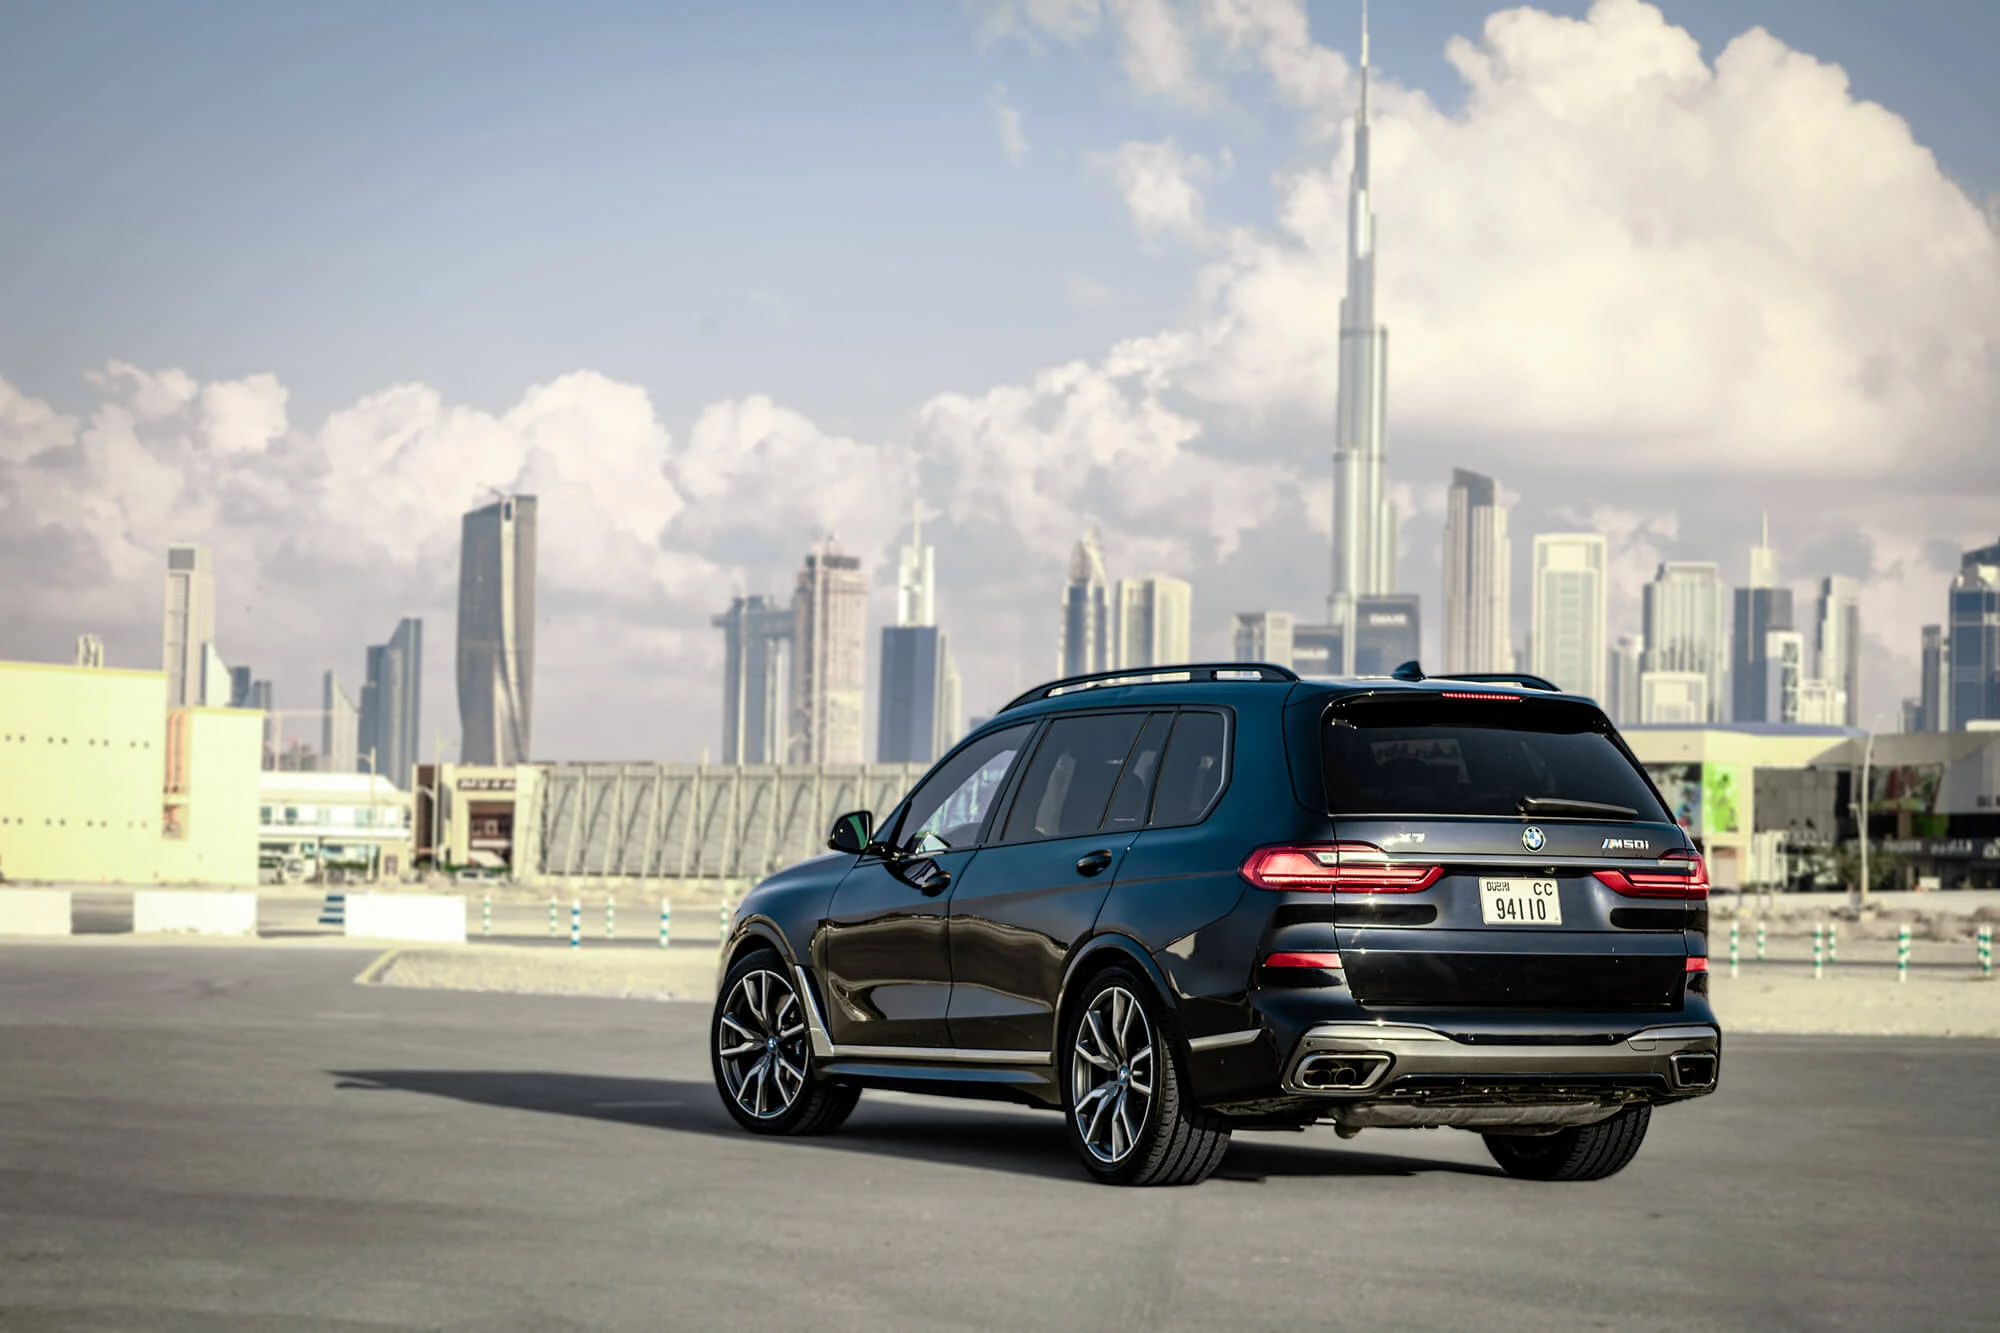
(1627, 845)
(1532, 839)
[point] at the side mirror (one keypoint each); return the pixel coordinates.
(852, 832)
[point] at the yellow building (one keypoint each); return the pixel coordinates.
(100, 782)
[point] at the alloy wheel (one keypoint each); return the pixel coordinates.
(1111, 1074)
(760, 1043)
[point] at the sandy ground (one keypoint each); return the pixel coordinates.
(1944, 995)
(631, 974)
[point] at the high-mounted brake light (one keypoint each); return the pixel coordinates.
(1321, 960)
(1485, 696)
(1337, 867)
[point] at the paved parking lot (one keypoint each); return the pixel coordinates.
(240, 1138)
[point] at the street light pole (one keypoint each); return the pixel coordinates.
(1861, 807)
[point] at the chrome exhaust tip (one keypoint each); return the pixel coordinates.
(1341, 1073)
(1695, 1069)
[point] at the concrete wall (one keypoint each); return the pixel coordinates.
(34, 912)
(219, 824)
(81, 768)
(435, 918)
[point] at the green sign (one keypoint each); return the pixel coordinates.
(1720, 788)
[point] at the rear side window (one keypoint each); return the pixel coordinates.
(1134, 795)
(1424, 757)
(1193, 771)
(1069, 783)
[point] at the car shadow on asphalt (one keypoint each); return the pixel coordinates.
(1010, 1140)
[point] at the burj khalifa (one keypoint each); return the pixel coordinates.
(1364, 522)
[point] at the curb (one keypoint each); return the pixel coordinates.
(373, 972)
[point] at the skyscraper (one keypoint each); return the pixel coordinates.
(190, 623)
(1152, 621)
(89, 650)
(496, 632)
(1364, 523)
(388, 738)
(1934, 704)
(756, 669)
(1760, 608)
(1478, 569)
(239, 687)
(1784, 674)
(1087, 628)
(1625, 701)
(1566, 637)
(1837, 641)
(917, 713)
(1264, 636)
(339, 728)
(1975, 638)
(1388, 631)
(829, 609)
(1686, 609)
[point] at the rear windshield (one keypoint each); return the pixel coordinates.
(1425, 757)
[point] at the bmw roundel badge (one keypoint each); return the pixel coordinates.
(1532, 839)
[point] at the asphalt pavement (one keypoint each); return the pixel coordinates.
(241, 1138)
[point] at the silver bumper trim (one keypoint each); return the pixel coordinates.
(1419, 1050)
(1222, 1039)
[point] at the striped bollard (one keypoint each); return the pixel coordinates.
(552, 914)
(576, 923)
(486, 916)
(1760, 940)
(1902, 953)
(722, 920)
(666, 921)
(1819, 949)
(1732, 948)
(1832, 943)
(610, 918)
(1986, 952)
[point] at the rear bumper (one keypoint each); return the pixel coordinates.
(1347, 1062)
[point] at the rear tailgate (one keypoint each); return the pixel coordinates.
(1547, 933)
(1527, 860)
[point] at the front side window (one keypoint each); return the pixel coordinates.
(948, 807)
(1068, 786)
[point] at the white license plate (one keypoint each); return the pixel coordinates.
(1520, 902)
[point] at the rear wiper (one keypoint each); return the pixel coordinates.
(1562, 805)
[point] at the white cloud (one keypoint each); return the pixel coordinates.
(1065, 20)
(1161, 185)
(1007, 124)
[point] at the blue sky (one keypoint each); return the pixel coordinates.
(707, 199)
(405, 251)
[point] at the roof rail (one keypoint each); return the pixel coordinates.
(1520, 678)
(1160, 675)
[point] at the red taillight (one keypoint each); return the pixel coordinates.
(1656, 883)
(1325, 960)
(1485, 696)
(1340, 867)
(1697, 965)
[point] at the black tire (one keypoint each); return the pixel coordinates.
(777, 1018)
(1587, 1152)
(1174, 1141)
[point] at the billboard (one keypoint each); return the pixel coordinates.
(1681, 785)
(1722, 792)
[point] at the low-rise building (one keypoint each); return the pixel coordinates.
(340, 826)
(102, 782)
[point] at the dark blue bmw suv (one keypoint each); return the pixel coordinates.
(1181, 902)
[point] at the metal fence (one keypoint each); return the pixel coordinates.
(695, 821)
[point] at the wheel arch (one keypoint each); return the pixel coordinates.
(755, 934)
(1110, 950)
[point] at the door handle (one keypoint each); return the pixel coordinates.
(932, 886)
(1093, 863)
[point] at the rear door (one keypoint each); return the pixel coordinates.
(1552, 877)
(1035, 889)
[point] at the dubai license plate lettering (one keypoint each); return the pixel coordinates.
(1519, 902)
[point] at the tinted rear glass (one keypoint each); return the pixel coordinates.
(1069, 783)
(1424, 757)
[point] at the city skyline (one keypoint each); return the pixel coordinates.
(1171, 375)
